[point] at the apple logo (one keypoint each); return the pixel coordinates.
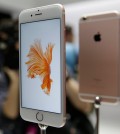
(97, 37)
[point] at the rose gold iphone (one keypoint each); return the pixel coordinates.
(99, 59)
(42, 65)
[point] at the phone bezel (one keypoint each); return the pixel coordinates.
(38, 14)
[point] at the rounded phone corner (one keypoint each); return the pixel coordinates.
(62, 124)
(21, 115)
(22, 13)
(60, 5)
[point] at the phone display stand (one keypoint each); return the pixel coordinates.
(97, 104)
(42, 128)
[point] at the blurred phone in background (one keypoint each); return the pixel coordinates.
(99, 58)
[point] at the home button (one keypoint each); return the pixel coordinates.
(39, 116)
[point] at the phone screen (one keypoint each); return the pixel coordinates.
(40, 65)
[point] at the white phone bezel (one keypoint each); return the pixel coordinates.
(44, 13)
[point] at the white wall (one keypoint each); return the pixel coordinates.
(109, 115)
(75, 11)
(15, 6)
(32, 3)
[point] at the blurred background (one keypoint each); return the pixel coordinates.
(9, 13)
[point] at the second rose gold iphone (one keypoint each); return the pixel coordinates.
(99, 59)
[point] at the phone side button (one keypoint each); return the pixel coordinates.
(39, 116)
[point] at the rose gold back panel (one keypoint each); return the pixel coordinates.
(99, 60)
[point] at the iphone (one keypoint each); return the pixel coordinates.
(99, 58)
(42, 65)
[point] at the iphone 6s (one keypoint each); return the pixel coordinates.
(99, 58)
(42, 65)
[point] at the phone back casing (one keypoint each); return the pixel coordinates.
(99, 57)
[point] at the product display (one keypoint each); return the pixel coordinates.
(42, 87)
